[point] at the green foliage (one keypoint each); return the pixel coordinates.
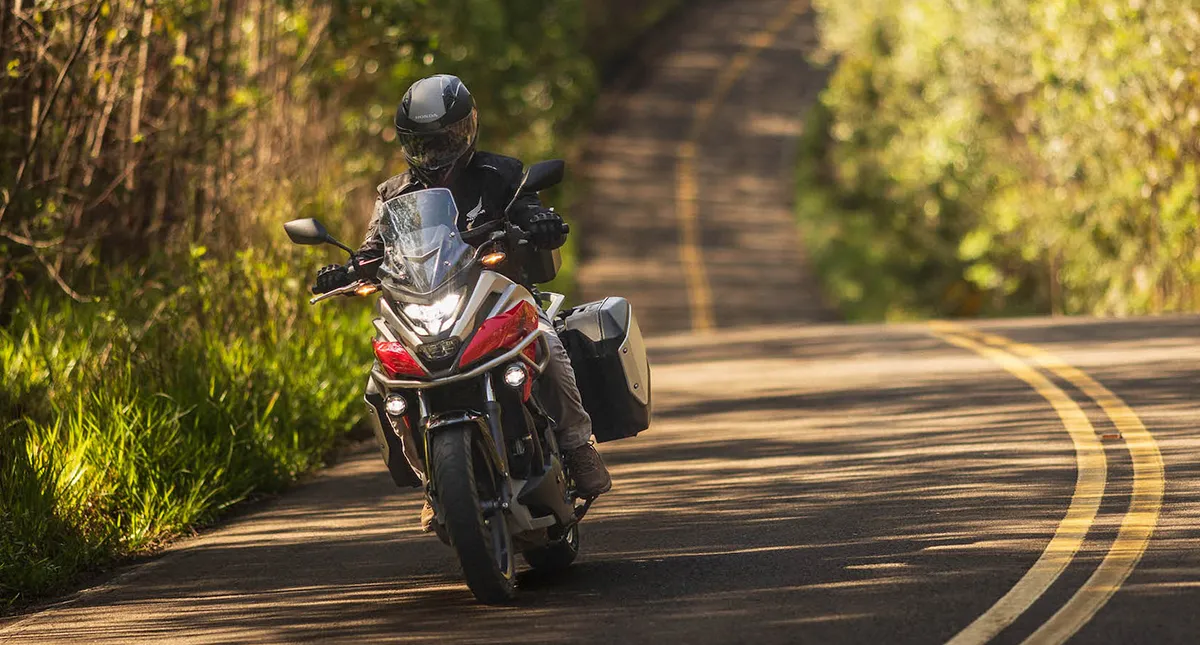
(1005, 156)
(522, 60)
(133, 420)
(173, 119)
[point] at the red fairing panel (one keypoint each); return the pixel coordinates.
(501, 332)
(396, 360)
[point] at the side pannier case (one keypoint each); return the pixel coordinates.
(609, 357)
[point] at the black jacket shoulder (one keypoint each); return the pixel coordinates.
(498, 178)
(489, 167)
(508, 169)
(489, 180)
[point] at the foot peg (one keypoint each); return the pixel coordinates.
(582, 510)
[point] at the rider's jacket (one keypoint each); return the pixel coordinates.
(482, 189)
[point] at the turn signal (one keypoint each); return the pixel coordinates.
(492, 259)
(366, 290)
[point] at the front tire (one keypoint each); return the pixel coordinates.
(463, 478)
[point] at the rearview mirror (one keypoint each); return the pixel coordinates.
(543, 175)
(306, 231)
(309, 232)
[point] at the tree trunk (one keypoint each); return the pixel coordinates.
(139, 89)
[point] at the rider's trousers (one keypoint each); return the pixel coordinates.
(559, 394)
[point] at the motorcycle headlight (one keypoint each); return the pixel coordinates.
(434, 318)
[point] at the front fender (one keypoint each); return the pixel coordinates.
(446, 420)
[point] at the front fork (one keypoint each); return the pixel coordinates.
(490, 432)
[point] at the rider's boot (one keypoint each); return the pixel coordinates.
(588, 469)
(429, 525)
(427, 516)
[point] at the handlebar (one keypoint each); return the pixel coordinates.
(496, 231)
(353, 287)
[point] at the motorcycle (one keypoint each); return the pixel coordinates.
(453, 393)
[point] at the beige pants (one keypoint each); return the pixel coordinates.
(559, 394)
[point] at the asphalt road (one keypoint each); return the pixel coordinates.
(837, 484)
(689, 211)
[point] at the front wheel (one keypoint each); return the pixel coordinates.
(465, 483)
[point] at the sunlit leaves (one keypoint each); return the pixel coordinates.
(1066, 129)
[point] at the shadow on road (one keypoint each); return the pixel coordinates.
(777, 521)
(815, 485)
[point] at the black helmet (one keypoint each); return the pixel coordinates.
(437, 124)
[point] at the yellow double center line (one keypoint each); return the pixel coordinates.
(687, 191)
(1023, 361)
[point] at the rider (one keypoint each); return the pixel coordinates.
(437, 124)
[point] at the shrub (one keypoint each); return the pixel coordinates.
(1007, 156)
(134, 419)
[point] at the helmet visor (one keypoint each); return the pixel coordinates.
(437, 150)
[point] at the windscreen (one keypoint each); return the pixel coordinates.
(423, 249)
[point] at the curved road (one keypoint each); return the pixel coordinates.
(826, 484)
(689, 210)
(1015, 481)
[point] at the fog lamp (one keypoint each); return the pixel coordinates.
(396, 406)
(515, 376)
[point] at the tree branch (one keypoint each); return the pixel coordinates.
(30, 242)
(62, 284)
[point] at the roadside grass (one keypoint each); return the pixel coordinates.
(130, 421)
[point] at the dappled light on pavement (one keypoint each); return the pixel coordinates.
(892, 502)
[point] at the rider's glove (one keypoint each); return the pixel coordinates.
(333, 276)
(362, 266)
(547, 229)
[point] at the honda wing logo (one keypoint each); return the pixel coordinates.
(474, 213)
